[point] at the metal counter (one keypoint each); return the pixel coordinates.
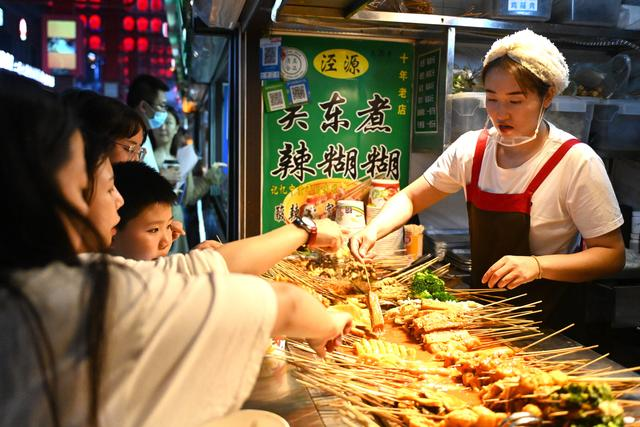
(302, 407)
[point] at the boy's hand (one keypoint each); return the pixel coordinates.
(342, 323)
(176, 230)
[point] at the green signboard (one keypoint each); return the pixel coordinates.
(356, 123)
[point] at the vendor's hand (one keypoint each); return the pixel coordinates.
(176, 230)
(511, 271)
(328, 237)
(208, 244)
(342, 323)
(362, 242)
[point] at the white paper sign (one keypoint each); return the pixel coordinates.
(523, 6)
(187, 158)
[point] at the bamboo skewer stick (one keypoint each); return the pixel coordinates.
(547, 337)
(568, 351)
(618, 371)
(607, 379)
(580, 368)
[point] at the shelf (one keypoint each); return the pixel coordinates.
(345, 13)
(464, 23)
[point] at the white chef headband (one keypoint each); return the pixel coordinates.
(534, 52)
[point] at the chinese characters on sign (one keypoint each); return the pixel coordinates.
(335, 158)
(523, 6)
(356, 124)
(426, 113)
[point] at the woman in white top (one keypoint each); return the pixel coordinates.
(87, 341)
(532, 190)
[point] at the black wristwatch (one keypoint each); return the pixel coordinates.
(308, 225)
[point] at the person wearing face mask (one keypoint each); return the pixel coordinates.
(147, 95)
(534, 194)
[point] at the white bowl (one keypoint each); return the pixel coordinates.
(250, 418)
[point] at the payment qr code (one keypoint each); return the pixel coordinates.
(276, 100)
(298, 94)
(270, 55)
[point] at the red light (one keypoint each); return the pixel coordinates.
(156, 25)
(83, 19)
(143, 44)
(95, 42)
(95, 22)
(156, 5)
(142, 5)
(142, 24)
(128, 44)
(128, 23)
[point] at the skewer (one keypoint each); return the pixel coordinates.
(506, 340)
(580, 368)
(569, 350)
(547, 337)
(618, 371)
(607, 379)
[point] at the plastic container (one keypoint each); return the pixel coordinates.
(382, 190)
(468, 112)
(350, 216)
(521, 10)
(571, 114)
(616, 125)
(601, 13)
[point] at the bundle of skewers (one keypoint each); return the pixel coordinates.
(467, 357)
(384, 383)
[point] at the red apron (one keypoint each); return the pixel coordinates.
(499, 226)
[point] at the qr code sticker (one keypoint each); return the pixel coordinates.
(299, 94)
(270, 55)
(276, 100)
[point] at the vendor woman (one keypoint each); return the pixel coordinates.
(540, 205)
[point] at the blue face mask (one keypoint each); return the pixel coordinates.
(158, 119)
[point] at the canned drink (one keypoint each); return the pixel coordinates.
(350, 215)
(382, 190)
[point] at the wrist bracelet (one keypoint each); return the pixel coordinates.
(535, 258)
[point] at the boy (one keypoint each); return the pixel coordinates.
(144, 231)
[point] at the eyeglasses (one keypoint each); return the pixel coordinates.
(135, 152)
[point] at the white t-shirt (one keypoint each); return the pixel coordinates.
(577, 197)
(184, 348)
(196, 261)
